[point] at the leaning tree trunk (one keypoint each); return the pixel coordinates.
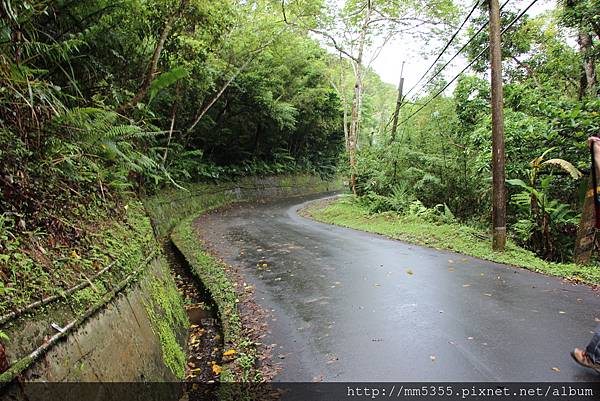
(172, 126)
(152, 66)
(586, 232)
(204, 109)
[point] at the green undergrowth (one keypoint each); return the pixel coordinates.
(167, 314)
(450, 236)
(30, 271)
(222, 290)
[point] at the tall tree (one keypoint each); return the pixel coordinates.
(359, 29)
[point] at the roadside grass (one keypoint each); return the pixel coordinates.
(215, 277)
(449, 236)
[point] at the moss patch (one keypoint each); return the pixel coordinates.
(166, 313)
(32, 275)
(454, 237)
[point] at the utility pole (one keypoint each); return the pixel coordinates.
(498, 191)
(398, 104)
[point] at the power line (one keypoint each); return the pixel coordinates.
(481, 28)
(439, 56)
(447, 45)
(469, 65)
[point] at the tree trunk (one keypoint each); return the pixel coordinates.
(356, 98)
(398, 105)
(257, 139)
(342, 92)
(152, 66)
(174, 114)
(586, 232)
(588, 77)
(203, 110)
(241, 69)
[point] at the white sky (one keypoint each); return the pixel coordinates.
(389, 62)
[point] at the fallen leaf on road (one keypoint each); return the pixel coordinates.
(432, 357)
(450, 261)
(556, 369)
(469, 338)
(487, 294)
(562, 312)
(410, 272)
(376, 285)
(466, 285)
(216, 369)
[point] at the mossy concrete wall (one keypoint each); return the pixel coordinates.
(121, 343)
(138, 336)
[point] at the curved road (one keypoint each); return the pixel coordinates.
(352, 306)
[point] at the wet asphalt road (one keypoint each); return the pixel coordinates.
(352, 306)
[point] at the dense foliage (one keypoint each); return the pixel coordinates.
(441, 158)
(101, 99)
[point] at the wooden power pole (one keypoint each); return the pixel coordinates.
(398, 104)
(498, 191)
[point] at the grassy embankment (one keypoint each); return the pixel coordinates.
(450, 236)
(31, 271)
